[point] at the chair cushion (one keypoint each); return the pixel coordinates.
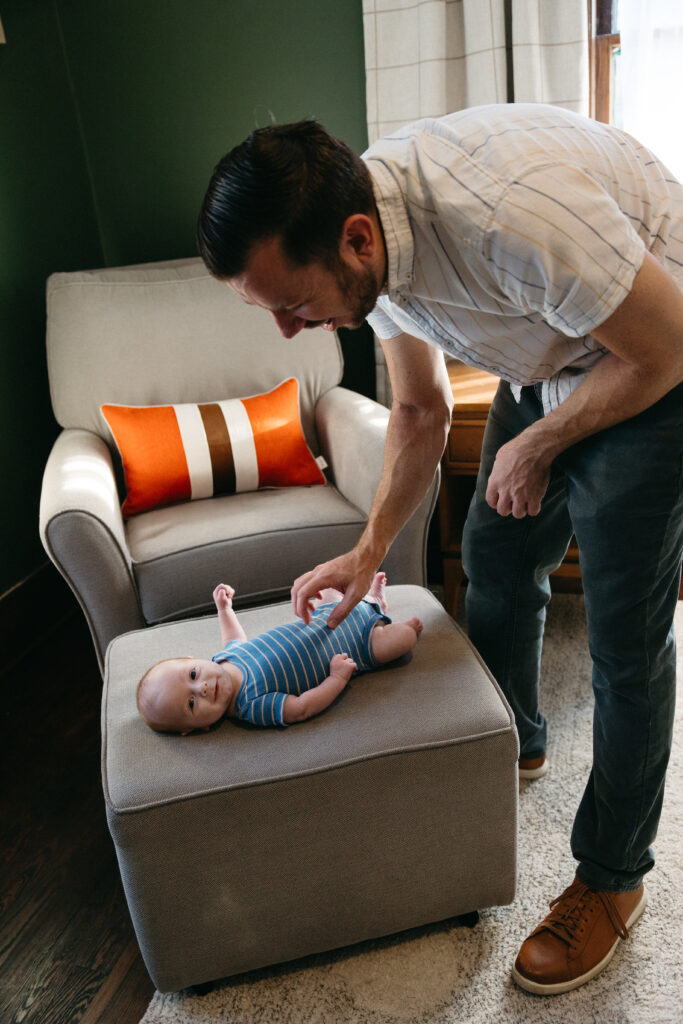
(258, 541)
(187, 451)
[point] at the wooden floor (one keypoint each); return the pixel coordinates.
(68, 952)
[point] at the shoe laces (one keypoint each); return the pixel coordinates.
(571, 912)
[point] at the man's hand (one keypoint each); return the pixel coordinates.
(349, 573)
(518, 480)
(643, 361)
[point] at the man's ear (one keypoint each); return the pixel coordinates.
(358, 238)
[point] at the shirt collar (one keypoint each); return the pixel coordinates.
(393, 216)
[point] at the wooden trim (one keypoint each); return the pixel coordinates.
(604, 46)
(602, 41)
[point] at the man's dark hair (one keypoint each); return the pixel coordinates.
(293, 181)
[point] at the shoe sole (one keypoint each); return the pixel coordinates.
(566, 986)
(533, 773)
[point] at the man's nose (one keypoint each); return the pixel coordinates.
(288, 324)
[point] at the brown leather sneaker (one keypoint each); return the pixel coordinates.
(532, 767)
(577, 939)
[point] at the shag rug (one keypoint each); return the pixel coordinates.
(449, 973)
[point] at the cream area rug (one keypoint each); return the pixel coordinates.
(449, 973)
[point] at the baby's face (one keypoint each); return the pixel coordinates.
(185, 694)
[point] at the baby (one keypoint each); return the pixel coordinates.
(285, 675)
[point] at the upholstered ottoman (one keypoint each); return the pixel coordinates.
(243, 847)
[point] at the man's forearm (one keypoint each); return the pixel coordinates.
(644, 361)
(417, 432)
(414, 446)
(615, 390)
(612, 392)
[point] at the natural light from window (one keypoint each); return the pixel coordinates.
(648, 72)
(89, 475)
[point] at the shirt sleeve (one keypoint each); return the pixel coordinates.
(224, 655)
(267, 709)
(558, 245)
(381, 322)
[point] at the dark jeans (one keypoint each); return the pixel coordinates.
(621, 493)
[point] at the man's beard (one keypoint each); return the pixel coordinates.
(360, 290)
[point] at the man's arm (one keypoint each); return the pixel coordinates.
(312, 702)
(644, 338)
(227, 620)
(417, 432)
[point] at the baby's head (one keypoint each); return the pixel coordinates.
(184, 694)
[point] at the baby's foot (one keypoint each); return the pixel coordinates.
(415, 624)
(378, 590)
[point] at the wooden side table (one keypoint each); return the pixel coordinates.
(473, 392)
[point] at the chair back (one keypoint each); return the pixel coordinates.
(165, 333)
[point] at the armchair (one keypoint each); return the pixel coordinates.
(169, 333)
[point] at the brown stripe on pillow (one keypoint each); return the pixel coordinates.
(220, 449)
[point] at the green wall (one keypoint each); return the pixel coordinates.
(113, 114)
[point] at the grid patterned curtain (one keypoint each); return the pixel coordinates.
(425, 58)
(550, 53)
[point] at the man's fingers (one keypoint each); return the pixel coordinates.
(302, 594)
(348, 574)
(516, 507)
(339, 613)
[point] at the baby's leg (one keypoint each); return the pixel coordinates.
(377, 591)
(394, 639)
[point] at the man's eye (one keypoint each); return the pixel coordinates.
(193, 674)
(191, 703)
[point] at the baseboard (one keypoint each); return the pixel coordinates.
(30, 611)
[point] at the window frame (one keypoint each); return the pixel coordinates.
(603, 42)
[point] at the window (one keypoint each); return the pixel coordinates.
(637, 71)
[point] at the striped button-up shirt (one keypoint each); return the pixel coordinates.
(513, 231)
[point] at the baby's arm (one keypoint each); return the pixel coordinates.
(297, 709)
(227, 620)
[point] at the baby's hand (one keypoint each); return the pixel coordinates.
(223, 595)
(342, 665)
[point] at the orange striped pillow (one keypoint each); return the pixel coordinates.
(174, 453)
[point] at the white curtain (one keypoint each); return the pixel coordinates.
(550, 53)
(425, 58)
(649, 79)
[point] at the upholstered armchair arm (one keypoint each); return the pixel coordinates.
(352, 433)
(82, 530)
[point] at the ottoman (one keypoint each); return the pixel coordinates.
(243, 847)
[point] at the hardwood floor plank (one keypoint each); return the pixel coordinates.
(68, 951)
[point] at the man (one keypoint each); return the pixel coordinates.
(548, 249)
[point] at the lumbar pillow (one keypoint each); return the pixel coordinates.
(182, 452)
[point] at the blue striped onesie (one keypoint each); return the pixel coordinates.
(293, 658)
